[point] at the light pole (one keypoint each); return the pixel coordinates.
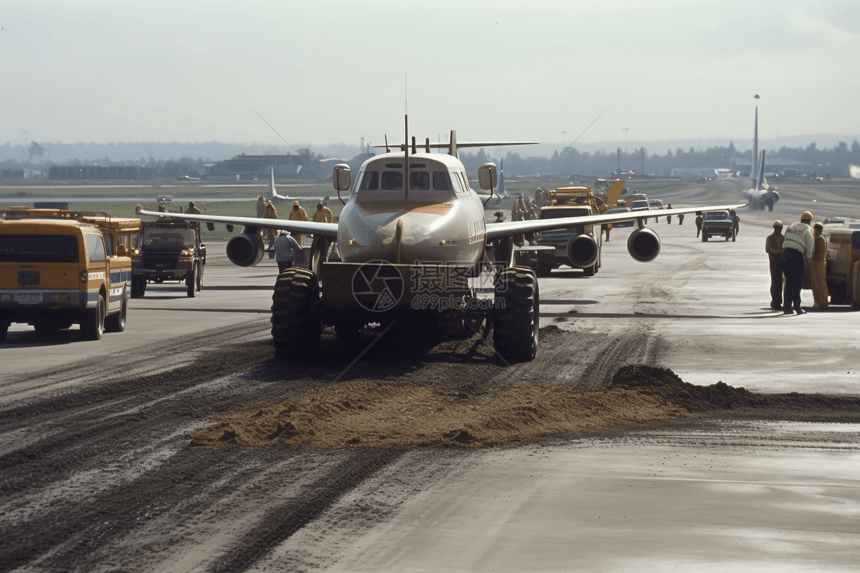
(626, 130)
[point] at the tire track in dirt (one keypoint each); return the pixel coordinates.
(283, 521)
(145, 360)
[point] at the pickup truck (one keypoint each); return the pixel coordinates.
(716, 223)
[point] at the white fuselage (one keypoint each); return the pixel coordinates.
(441, 218)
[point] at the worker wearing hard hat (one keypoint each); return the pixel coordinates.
(270, 234)
(818, 271)
(286, 249)
(261, 206)
(797, 246)
(192, 210)
(773, 248)
(736, 224)
(298, 214)
(323, 214)
(518, 213)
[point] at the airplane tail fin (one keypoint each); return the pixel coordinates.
(614, 192)
(272, 184)
(754, 168)
(760, 182)
(273, 193)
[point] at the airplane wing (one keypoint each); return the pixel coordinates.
(509, 228)
(304, 227)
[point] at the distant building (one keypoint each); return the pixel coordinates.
(11, 174)
(249, 167)
(95, 172)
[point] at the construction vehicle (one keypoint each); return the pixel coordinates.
(58, 268)
(579, 246)
(168, 250)
(843, 261)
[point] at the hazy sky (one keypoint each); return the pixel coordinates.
(331, 71)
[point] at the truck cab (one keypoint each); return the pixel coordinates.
(168, 251)
(553, 247)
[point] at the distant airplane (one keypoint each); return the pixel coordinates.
(760, 194)
(276, 197)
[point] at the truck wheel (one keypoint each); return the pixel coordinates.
(348, 330)
(855, 302)
(295, 331)
(516, 320)
(138, 286)
(4, 329)
(543, 269)
(704, 238)
(590, 271)
(191, 282)
(93, 323)
(116, 321)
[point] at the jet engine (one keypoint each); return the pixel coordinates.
(582, 251)
(643, 245)
(245, 249)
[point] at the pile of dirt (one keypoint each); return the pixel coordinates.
(378, 414)
(665, 384)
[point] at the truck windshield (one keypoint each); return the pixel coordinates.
(170, 239)
(38, 249)
(716, 216)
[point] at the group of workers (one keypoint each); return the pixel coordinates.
(284, 246)
(789, 255)
(525, 209)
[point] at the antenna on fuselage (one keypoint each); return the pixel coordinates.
(387, 149)
(406, 155)
(452, 144)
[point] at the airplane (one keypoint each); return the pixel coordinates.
(760, 195)
(276, 197)
(414, 242)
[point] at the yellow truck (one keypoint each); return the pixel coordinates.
(843, 261)
(578, 246)
(57, 270)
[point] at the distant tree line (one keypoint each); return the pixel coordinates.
(566, 162)
(569, 161)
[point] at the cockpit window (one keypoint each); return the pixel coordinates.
(458, 186)
(419, 180)
(441, 181)
(369, 181)
(392, 181)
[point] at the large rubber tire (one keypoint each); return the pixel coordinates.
(295, 331)
(855, 303)
(116, 322)
(543, 270)
(191, 282)
(4, 329)
(138, 286)
(348, 330)
(516, 318)
(93, 324)
(704, 238)
(590, 271)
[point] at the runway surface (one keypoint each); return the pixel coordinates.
(98, 472)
